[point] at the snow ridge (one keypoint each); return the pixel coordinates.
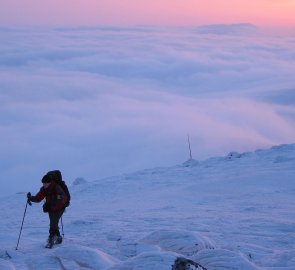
(232, 212)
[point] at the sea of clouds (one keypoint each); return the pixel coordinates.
(99, 101)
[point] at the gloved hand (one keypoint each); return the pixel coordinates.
(46, 208)
(29, 197)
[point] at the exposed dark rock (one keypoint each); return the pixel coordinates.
(185, 264)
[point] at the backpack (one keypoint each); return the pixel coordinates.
(57, 178)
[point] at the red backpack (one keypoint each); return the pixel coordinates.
(57, 178)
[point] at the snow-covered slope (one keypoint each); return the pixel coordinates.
(234, 212)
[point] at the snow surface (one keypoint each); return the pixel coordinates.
(233, 212)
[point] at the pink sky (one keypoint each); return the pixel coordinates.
(279, 13)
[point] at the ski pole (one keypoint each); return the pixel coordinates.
(62, 228)
(28, 202)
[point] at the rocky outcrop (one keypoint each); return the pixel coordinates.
(185, 264)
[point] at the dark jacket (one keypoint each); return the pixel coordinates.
(56, 198)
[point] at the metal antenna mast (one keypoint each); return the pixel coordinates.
(189, 147)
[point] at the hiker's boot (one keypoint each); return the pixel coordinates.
(58, 239)
(50, 242)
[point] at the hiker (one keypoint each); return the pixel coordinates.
(56, 200)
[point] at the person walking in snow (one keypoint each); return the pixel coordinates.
(56, 200)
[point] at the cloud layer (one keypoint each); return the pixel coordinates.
(98, 101)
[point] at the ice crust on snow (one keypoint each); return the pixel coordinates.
(232, 212)
(6, 265)
(86, 257)
(181, 242)
(222, 259)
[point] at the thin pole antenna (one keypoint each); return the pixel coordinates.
(189, 147)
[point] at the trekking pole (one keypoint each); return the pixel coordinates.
(28, 202)
(62, 228)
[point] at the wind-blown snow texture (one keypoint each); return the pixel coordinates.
(234, 212)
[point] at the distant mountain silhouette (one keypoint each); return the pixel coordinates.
(227, 29)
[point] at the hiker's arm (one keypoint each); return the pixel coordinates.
(39, 196)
